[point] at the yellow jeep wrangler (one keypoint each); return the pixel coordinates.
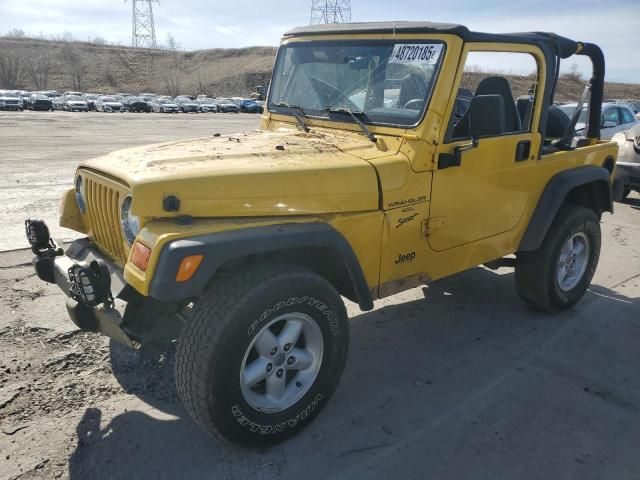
(388, 157)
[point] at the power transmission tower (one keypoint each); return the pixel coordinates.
(143, 31)
(330, 11)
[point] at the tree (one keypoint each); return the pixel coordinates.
(171, 77)
(12, 71)
(16, 33)
(37, 67)
(73, 58)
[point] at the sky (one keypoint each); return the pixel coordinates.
(201, 24)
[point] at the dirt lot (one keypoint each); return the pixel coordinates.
(458, 380)
(39, 152)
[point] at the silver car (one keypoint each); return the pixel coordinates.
(163, 105)
(615, 118)
(627, 176)
(207, 104)
(108, 104)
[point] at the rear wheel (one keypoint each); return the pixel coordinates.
(557, 275)
(264, 352)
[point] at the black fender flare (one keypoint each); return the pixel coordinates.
(556, 191)
(223, 247)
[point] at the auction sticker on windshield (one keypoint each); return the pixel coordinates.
(428, 53)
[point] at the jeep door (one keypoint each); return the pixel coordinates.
(479, 186)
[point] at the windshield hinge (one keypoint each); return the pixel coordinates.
(410, 136)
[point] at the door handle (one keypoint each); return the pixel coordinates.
(523, 150)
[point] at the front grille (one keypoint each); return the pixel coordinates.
(103, 207)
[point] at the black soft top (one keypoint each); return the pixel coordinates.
(553, 46)
(563, 46)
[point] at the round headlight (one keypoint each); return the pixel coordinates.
(130, 223)
(80, 194)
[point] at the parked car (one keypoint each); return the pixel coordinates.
(24, 95)
(56, 102)
(109, 104)
(11, 101)
(248, 105)
(261, 104)
(627, 177)
(186, 104)
(90, 98)
(207, 104)
(225, 105)
(39, 101)
(51, 94)
(163, 105)
(74, 103)
(135, 104)
(615, 118)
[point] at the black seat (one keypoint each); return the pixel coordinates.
(493, 86)
(500, 86)
(412, 87)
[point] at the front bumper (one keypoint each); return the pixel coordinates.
(103, 319)
(628, 174)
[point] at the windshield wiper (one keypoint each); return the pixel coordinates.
(299, 114)
(354, 115)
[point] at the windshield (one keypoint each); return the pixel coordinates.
(205, 100)
(569, 109)
(390, 82)
(74, 98)
(108, 99)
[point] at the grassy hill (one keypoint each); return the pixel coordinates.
(35, 64)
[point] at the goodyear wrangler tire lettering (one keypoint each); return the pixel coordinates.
(219, 344)
(281, 427)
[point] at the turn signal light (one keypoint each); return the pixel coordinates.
(188, 267)
(140, 255)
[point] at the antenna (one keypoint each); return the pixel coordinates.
(330, 11)
(143, 30)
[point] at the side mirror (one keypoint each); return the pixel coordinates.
(487, 116)
(608, 124)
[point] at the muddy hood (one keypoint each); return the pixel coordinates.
(253, 174)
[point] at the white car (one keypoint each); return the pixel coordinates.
(207, 104)
(627, 176)
(108, 104)
(615, 118)
(163, 105)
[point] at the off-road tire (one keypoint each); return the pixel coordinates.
(535, 273)
(212, 346)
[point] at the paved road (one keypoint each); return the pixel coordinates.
(39, 152)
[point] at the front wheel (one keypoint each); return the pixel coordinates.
(263, 354)
(557, 275)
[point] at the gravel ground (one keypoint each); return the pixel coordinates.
(458, 380)
(39, 153)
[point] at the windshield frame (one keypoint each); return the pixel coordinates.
(363, 42)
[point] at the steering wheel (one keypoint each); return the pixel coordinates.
(418, 102)
(330, 95)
